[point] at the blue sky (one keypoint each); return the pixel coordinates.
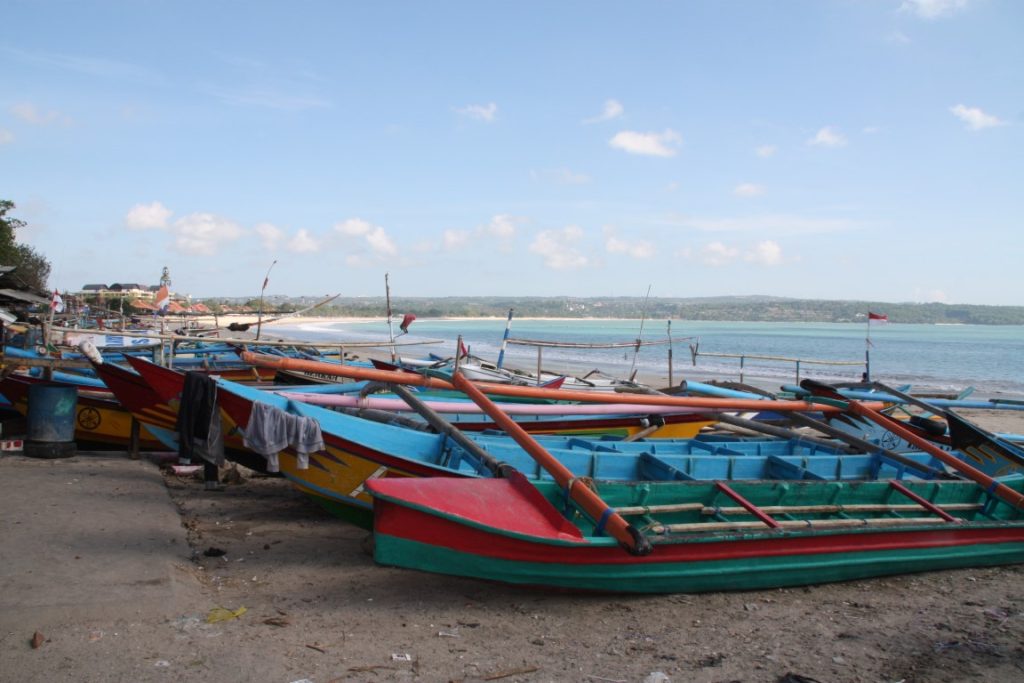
(852, 149)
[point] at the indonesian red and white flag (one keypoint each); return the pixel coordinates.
(163, 298)
(877, 317)
(57, 303)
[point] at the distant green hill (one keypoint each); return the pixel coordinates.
(733, 308)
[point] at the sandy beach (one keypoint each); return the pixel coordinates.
(119, 568)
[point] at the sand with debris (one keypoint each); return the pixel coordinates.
(119, 567)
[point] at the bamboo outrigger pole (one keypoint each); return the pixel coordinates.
(392, 377)
(606, 518)
(391, 329)
(991, 485)
(504, 340)
(259, 319)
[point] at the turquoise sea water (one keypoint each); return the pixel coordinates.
(930, 357)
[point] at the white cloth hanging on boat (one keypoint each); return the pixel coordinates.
(272, 430)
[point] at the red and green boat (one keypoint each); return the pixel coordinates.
(698, 536)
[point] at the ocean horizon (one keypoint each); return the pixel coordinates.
(929, 357)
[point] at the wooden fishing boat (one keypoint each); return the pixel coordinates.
(702, 536)
(612, 420)
(690, 536)
(159, 417)
(358, 450)
(628, 421)
(100, 420)
(225, 366)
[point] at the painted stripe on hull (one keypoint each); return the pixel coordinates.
(694, 577)
(417, 526)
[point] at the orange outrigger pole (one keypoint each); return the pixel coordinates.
(415, 379)
(612, 522)
(991, 485)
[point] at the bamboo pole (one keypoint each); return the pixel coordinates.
(991, 485)
(392, 377)
(797, 524)
(709, 510)
(615, 525)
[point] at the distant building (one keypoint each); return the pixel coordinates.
(128, 288)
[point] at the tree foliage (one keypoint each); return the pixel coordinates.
(31, 267)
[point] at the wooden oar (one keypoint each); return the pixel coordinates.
(612, 522)
(683, 402)
(991, 485)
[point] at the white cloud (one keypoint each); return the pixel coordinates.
(765, 151)
(684, 253)
(376, 237)
(748, 190)
(270, 235)
(502, 226)
(934, 9)
(201, 234)
(718, 254)
(975, 118)
(870, 130)
(613, 109)
(766, 253)
(354, 227)
(898, 38)
(638, 249)
(303, 242)
(28, 113)
(6, 136)
(557, 248)
(651, 144)
(147, 217)
(828, 137)
(454, 239)
(380, 242)
(480, 112)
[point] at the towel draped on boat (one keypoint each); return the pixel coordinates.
(272, 430)
(198, 424)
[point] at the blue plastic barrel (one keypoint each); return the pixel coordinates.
(51, 413)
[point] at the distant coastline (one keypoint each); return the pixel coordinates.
(710, 309)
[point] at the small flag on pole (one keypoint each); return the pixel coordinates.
(877, 317)
(406, 321)
(163, 299)
(57, 303)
